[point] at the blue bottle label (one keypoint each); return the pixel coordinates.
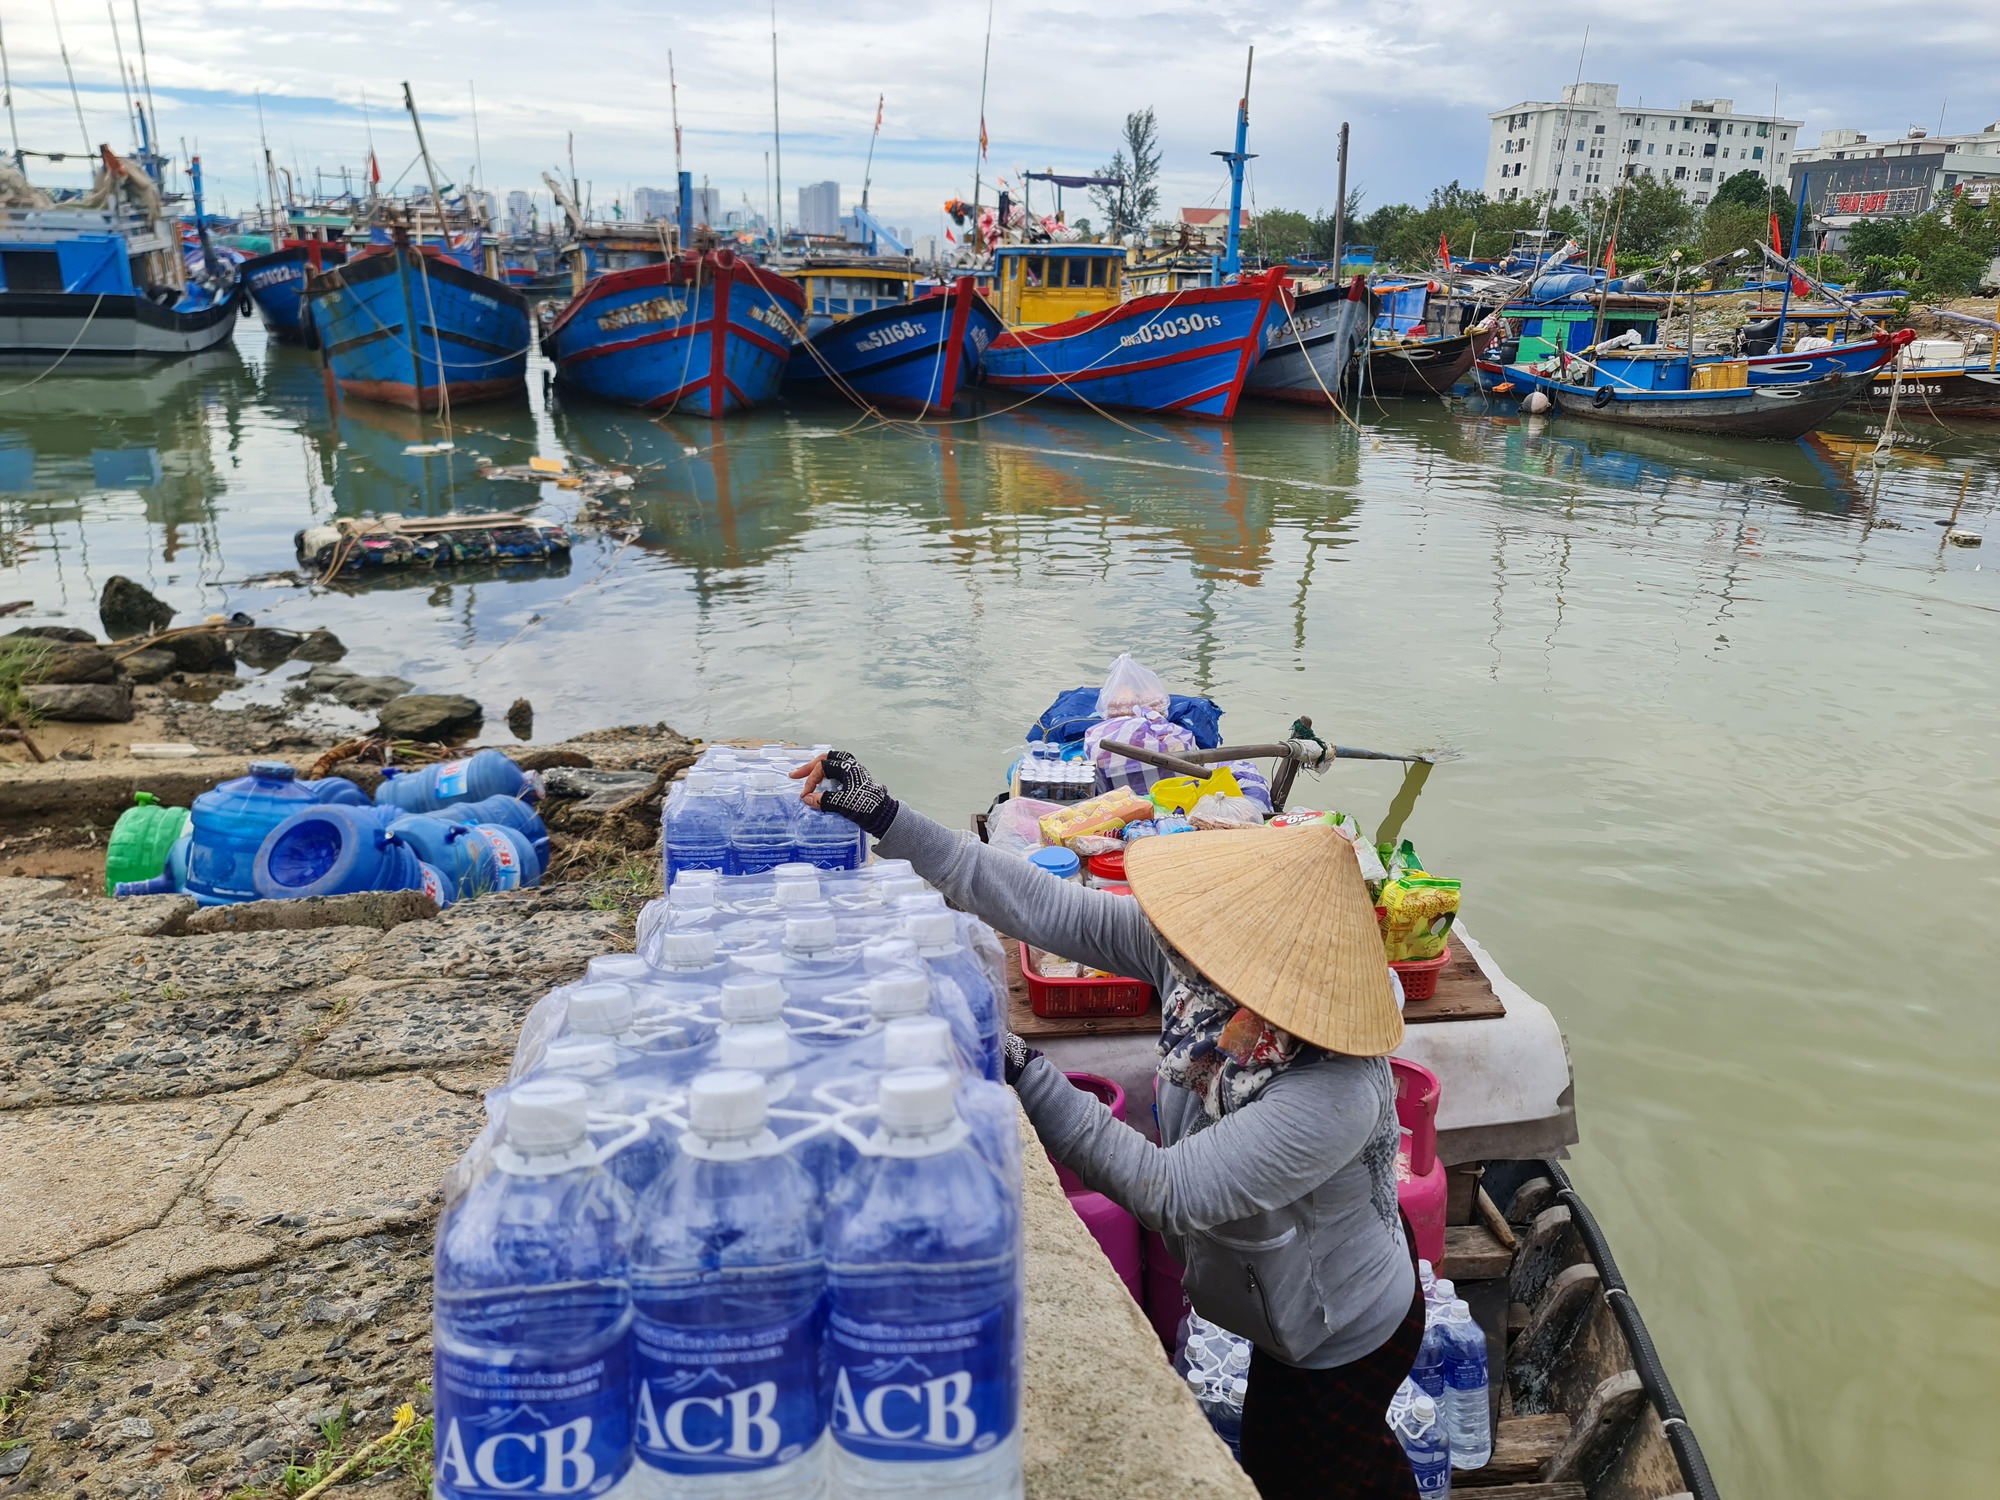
(910, 1392)
(755, 859)
(1462, 1373)
(711, 1401)
(503, 856)
(533, 1427)
(451, 778)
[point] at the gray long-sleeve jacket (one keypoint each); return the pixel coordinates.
(1283, 1211)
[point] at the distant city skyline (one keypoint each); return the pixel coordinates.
(1417, 88)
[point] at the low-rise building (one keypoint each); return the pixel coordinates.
(1848, 176)
(1578, 146)
(1210, 226)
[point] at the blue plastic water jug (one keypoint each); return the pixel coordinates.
(513, 855)
(330, 851)
(230, 824)
(487, 774)
(464, 858)
(512, 811)
(336, 790)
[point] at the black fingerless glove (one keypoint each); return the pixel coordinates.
(849, 790)
(1015, 1057)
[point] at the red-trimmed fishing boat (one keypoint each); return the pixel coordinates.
(705, 334)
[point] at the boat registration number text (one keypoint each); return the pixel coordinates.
(771, 316)
(887, 335)
(652, 310)
(275, 275)
(1171, 328)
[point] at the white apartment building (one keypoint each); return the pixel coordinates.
(1577, 146)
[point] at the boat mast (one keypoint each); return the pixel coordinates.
(1232, 259)
(478, 151)
(1340, 208)
(118, 43)
(7, 83)
(430, 172)
(868, 171)
(683, 210)
(1798, 226)
(63, 47)
(777, 138)
(270, 169)
(146, 73)
(979, 156)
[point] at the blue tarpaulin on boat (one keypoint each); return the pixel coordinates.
(1065, 720)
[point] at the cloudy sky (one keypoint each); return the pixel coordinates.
(1415, 80)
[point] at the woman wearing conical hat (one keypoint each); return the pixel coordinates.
(1275, 1177)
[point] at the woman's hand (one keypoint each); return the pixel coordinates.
(838, 783)
(1014, 1058)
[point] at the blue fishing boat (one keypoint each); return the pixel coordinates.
(276, 283)
(1071, 338)
(914, 355)
(1663, 389)
(104, 277)
(413, 326)
(704, 334)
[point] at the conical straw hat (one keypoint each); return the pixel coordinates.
(1280, 921)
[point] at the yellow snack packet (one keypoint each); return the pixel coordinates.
(1100, 815)
(1418, 911)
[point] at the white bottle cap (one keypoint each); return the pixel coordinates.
(580, 1056)
(696, 877)
(899, 886)
(686, 898)
(921, 901)
(600, 1009)
(545, 1117)
(916, 1101)
(795, 890)
(616, 968)
(795, 869)
(750, 998)
(810, 934)
(1424, 1409)
(932, 929)
(888, 869)
(761, 1049)
(1443, 1290)
(917, 1042)
(702, 783)
(1426, 1272)
(899, 994)
(726, 1105)
(685, 949)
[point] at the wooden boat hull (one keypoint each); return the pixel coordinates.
(1185, 352)
(1421, 367)
(704, 335)
(914, 357)
(1816, 364)
(1306, 357)
(1954, 391)
(86, 328)
(276, 283)
(1769, 411)
(411, 329)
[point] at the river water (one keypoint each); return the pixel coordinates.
(1721, 722)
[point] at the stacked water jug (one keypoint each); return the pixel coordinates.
(745, 1221)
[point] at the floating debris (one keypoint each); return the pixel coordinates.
(1963, 538)
(351, 546)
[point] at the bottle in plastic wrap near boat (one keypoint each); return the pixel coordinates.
(739, 813)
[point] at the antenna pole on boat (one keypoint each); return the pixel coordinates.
(118, 43)
(1232, 258)
(683, 182)
(777, 136)
(1569, 112)
(7, 84)
(146, 73)
(63, 47)
(1340, 206)
(368, 125)
(979, 153)
(430, 172)
(478, 151)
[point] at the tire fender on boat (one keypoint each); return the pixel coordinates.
(1604, 397)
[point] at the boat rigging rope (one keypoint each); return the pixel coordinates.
(16, 390)
(437, 348)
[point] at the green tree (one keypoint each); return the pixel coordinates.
(1751, 189)
(1732, 226)
(1651, 218)
(1869, 239)
(1136, 164)
(1081, 226)
(1282, 233)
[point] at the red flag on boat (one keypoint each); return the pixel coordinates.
(950, 236)
(1444, 251)
(1799, 288)
(374, 170)
(1611, 257)
(982, 137)
(878, 110)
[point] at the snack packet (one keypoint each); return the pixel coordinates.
(1105, 814)
(1418, 910)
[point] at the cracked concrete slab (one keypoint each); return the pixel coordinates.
(351, 1159)
(148, 1048)
(80, 1177)
(32, 1307)
(388, 1027)
(55, 918)
(154, 1259)
(489, 942)
(202, 968)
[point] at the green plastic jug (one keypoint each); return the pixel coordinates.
(140, 839)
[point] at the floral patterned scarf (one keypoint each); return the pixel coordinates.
(1218, 1049)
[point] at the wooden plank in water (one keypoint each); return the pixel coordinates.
(1463, 994)
(1472, 1252)
(1521, 1445)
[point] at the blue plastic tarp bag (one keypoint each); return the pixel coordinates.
(1066, 720)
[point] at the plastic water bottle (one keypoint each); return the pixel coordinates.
(951, 963)
(828, 840)
(230, 823)
(695, 827)
(1466, 1414)
(489, 773)
(1413, 1417)
(532, 1322)
(1429, 1370)
(729, 1278)
(923, 1311)
(763, 834)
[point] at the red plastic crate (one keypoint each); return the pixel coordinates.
(1420, 975)
(1059, 999)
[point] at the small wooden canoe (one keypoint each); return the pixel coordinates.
(1757, 411)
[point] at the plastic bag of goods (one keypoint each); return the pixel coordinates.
(1217, 812)
(1145, 730)
(1418, 910)
(1105, 814)
(1130, 687)
(1015, 826)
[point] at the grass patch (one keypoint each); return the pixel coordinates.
(408, 1453)
(23, 659)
